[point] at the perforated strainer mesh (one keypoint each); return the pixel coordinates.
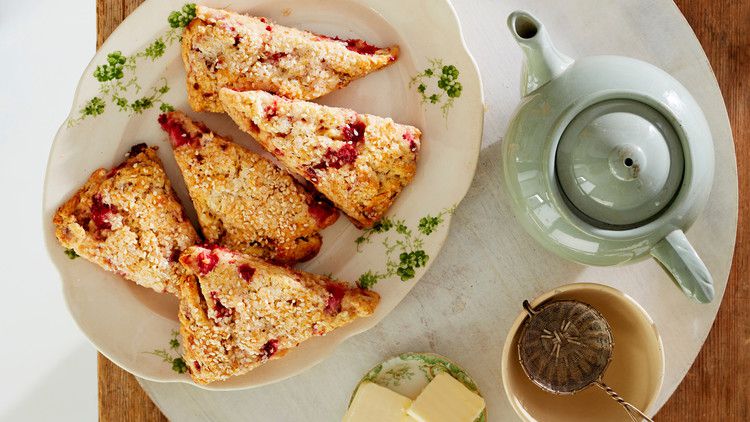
(565, 346)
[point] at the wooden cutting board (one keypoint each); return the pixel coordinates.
(714, 389)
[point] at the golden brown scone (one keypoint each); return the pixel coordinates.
(128, 220)
(225, 49)
(238, 312)
(358, 161)
(244, 201)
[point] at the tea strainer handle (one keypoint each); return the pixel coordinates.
(633, 411)
(527, 306)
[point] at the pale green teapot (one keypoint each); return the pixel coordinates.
(608, 159)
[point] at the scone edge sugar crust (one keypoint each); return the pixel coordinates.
(238, 312)
(129, 221)
(244, 201)
(360, 162)
(225, 49)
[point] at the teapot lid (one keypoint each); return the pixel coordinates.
(619, 163)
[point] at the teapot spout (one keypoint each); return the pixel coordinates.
(543, 61)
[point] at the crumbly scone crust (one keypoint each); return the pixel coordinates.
(238, 312)
(358, 161)
(128, 220)
(244, 201)
(225, 49)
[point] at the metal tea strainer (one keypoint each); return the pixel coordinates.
(565, 346)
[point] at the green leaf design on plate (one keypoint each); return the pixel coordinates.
(373, 374)
(394, 376)
(381, 226)
(446, 89)
(167, 355)
(118, 83)
(113, 69)
(431, 365)
(404, 252)
(181, 18)
(93, 107)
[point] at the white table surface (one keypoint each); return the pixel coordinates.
(48, 366)
(462, 308)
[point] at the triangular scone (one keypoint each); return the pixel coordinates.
(128, 220)
(358, 161)
(224, 49)
(244, 201)
(238, 311)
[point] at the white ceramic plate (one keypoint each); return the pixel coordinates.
(127, 322)
(409, 373)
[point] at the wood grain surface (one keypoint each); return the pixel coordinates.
(715, 387)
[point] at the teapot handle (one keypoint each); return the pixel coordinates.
(690, 274)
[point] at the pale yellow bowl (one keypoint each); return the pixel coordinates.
(636, 371)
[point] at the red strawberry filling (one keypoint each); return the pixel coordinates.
(174, 256)
(347, 154)
(101, 212)
(336, 295)
(177, 133)
(213, 64)
(221, 310)
(354, 132)
(270, 348)
(246, 272)
(137, 149)
(409, 137)
(321, 211)
(271, 109)
(253, 126)
(273, 58)
(197, 365)
(352, 44)
(360, 46)
(206, 262)
(311, 174)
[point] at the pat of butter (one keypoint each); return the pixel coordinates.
(374, 403)
(445, 399)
